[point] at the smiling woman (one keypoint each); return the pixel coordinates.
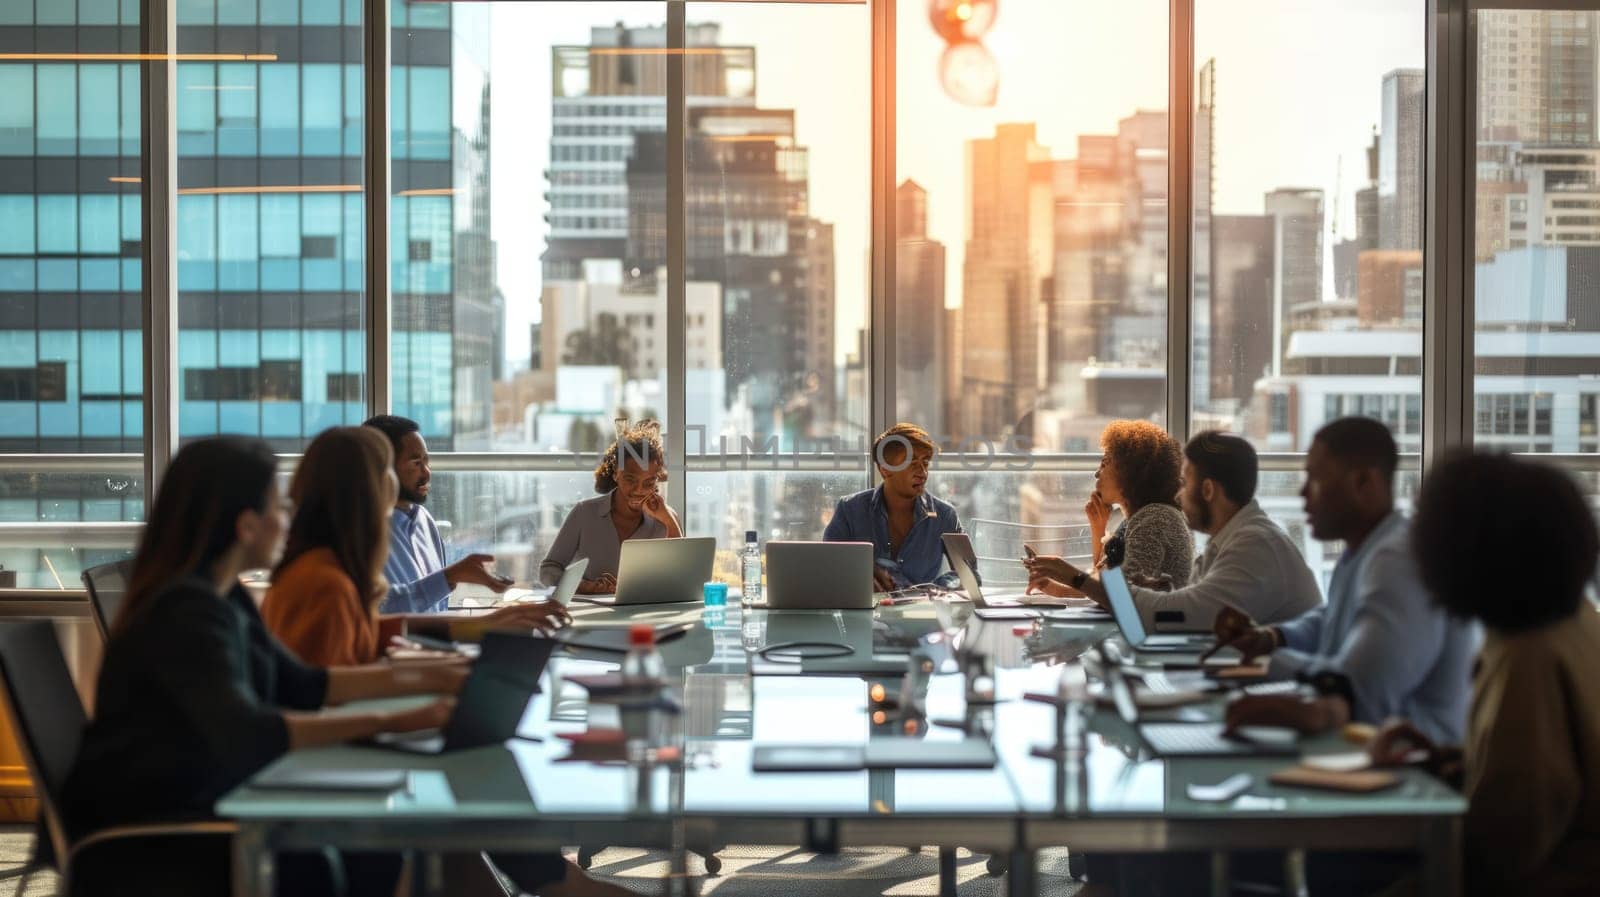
(628, 507)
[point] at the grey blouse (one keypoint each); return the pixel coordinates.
(1154, 541)
(588, 533)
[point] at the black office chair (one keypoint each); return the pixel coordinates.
(48, 719)
(106, 584)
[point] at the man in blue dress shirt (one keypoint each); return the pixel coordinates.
(419, 580)
(901, 520)
(1379, 647)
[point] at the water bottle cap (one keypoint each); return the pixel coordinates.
(749, 535)
(641, 634)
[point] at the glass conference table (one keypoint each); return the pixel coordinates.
(1110, 796)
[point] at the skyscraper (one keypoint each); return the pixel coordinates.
(1204, 170)
(271, 259)
(603, 96)
(1536, 76)
(748, 230)
(1297, 223)
(919, 312)
(1400, 148)
(1242, 265)
(1010, 200)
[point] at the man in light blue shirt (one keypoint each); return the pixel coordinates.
(419, 579)
(1379, 647)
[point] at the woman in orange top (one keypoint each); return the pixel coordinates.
(324, 598)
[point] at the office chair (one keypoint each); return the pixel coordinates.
(48, 718)
(106, 584)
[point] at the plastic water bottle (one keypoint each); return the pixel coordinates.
(751, 587)
(642, 669)
(642, 664)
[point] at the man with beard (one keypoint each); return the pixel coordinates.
(419, 580)
(1248, 564)
(1380, 647)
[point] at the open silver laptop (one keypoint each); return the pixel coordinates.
(963, 560)
(664, 571)
(571, 578)
(819, 575)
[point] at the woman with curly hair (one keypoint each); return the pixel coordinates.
(1141, 472)
(628, 507)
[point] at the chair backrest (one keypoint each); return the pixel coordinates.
(106, 584)
(46, 713)
(999, 546)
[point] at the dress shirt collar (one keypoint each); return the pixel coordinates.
(1393, 519)
(924, 504)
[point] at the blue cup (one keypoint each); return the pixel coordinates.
(716, 594)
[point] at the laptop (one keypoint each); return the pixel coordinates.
(1132, 625)
(963, 560)
(1008, 604)
(1175, 739)
(819, 576)
(663, 571)
(571, 578)
(492, 700)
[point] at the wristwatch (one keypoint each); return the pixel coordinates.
(1080, 579)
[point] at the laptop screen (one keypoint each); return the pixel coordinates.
(1122, 608)
(958, 551)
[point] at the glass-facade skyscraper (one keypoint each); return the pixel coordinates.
(271, 256)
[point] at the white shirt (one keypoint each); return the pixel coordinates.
(1249, 564)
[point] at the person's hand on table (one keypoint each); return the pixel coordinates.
(1044, 585)
(432, 715)
(882, 580)
(474, 569)
(1233, 628)
(545, 616)
(1399, 743)
(1307, 715)
(604, 584)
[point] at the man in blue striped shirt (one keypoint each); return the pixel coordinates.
(419, 580)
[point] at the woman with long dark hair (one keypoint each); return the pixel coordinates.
(195, 696)
(325, 593)
(629, 506)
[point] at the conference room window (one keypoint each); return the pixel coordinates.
(1031, 234)
(1537, 247)
(271, 257)
(71, 387)
(778, 153)
(507, 330)
(1307, 241)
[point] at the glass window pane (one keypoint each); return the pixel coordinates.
(778, 153)
(1536, 269)
(270, 259)
(70, 370)
(1308, 217)
(1031, 254)
(514, 327)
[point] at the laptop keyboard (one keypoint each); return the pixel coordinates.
(1188, 738)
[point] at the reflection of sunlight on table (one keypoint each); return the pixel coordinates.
(472, 595)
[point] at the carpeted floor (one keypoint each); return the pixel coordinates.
(745, 871)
